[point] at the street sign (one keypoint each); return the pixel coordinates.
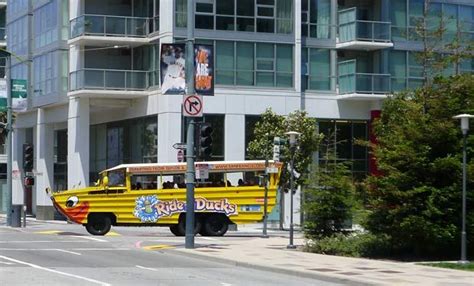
(179, 145)
(192, 105)
(180, 155)
(272, 170)
(202, 171)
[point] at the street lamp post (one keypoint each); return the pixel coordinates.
(293, 140)
(464, 128)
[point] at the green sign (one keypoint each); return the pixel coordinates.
(19, 88)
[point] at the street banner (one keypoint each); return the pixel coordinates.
(19, 95)
(204, 69)
(3, 94)
(172, 65)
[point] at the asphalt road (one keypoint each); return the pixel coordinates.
(65, 254)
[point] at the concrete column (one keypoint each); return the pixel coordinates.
(19, 137)
(169, 132)
(44, 152)
(78, 143)
(234, 142)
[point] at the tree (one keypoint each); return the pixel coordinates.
(417, 200)
(272, 125)
(329, 194)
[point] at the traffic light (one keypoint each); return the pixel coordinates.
(28, 157)
(205, 141)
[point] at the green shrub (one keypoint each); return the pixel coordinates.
(353, 245)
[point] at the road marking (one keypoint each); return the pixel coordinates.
(146, 268)
(67, 251)
(207, 238)
(44, 241)
(158, 246)
(90, 238)
(55, 271)
(225, 284)
(48, 232)
(7, 263)
(55, 249)
(112, 233)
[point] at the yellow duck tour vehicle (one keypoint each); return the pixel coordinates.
(155, 195)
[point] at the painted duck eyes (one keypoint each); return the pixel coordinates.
(72, 201)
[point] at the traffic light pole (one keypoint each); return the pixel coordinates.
(190, 171)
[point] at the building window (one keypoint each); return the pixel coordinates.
(316, 18)
(250, 123)
(316, 69)
(128, 141)
(249, 64)
(342, 136)
(46, 25)
(264, 16)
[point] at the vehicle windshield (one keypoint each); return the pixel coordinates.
(116, 178)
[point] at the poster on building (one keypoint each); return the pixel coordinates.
(204, 69)
(19, 95)
(172, 65)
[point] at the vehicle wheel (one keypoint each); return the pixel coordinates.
(215, 225)
(99, 224)
(180, 228)
(175, 230)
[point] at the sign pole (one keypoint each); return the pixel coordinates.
(190, 171)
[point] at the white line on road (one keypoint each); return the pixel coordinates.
(146, 268)
(207, 238)
(67, 251)
(55, 271)
(225, 284)
(7, 263)
(44, 241)
(56, 249)
(90, 238)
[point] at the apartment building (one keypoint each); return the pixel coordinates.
(94, 65)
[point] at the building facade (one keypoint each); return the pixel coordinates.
(94, 90)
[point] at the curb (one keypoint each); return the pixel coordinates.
(319, 276)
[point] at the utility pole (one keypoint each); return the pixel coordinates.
(190, 171)
(9, 142)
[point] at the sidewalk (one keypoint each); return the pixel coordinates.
(271, 254)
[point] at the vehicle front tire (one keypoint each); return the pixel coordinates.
(180, 228)
(215, 225)
(98, 224)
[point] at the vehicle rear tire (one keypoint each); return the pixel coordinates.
(98, 224)
(180, 228)
(215, 225)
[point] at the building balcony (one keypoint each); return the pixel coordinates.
(3, 3)
(359, 85)
(364, 85)
(360, 34)
(106, 30)
(112, 83)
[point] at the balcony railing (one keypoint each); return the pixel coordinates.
(364, 83)
(100, 79)
(351, 29)
(2, 34)
(109, 26)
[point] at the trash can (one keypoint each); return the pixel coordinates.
(16, 215)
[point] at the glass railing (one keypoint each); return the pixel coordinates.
(351, 29)
(364, 83)
(101, 25)
(112, 79)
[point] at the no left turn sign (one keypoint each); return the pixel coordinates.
(192, 105)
